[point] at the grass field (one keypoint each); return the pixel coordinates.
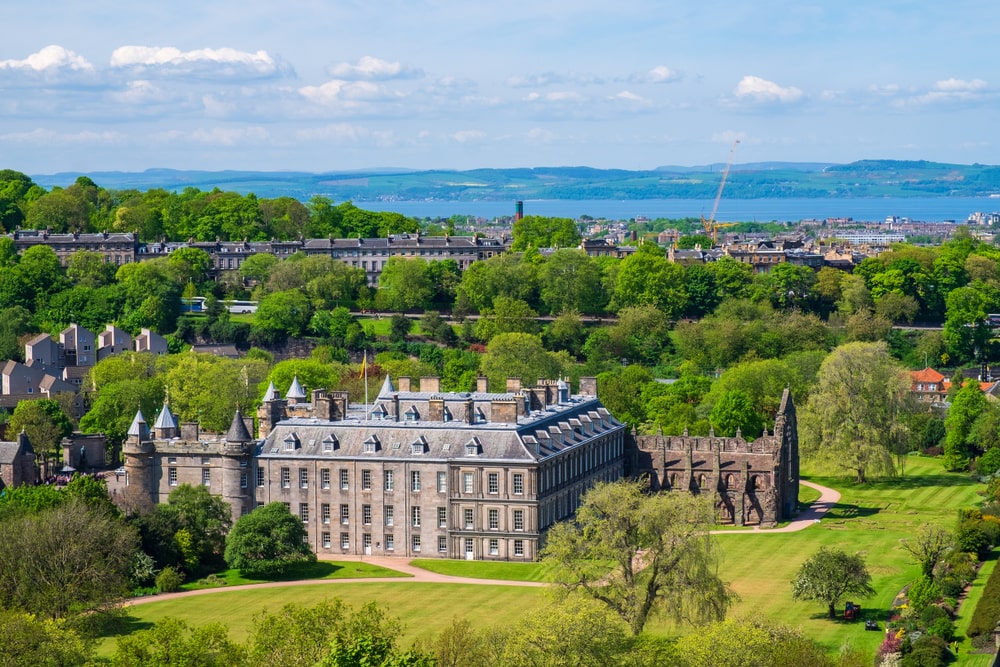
(318, 570)
(871, 519)
(483, 570)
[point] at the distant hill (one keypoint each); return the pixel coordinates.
(865, 178)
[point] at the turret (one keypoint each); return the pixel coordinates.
(236, 458)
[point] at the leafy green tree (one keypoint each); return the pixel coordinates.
(257, 267)
(399, 327)
(501, 275)
(284, 218)
(295, 635)
(641, 335)
(855, 417)
(829, 576)
(620, 392)
(520, 355)
(445, 278)
(267, 541)
(42, 273)
(966, 330)
(928, 546)
(732, 278)
(14, 323)
(152, 296)
(570, 280)
(638, 553)
(312, 374)
(506, 316)
(30, 640)
(49, 575)
(702, 290)
(15, 190)
(750, 642)
(87, 268)
(403, 285)
(788, 286)
(325, 219)
(61, 210)
(369, 637)
(648, 278)
(533, 231)
(735, 411)
(206, 519)
(208, 389)
(280, 315)
(566, 332)
(966, 406)
(44, 421)
(172, 643)
(189, 265)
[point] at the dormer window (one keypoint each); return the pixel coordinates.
(291, 441)
(372, 444)
(446, 415)
(418, 446)
(473, 448)
(330, 443)
(480, 415)
(380, 412)
(411, 415)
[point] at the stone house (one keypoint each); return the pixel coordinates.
(17, 463)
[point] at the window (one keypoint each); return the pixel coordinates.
(494, 547)
(466, 482)
(260, 477)
(518, 519)
(171, 459)
(345, 514)
(172, 476)
(344, 480)
(206, 477)
(388, 480)
(286, 478)
(493, 482)
(415, 480)
(366, 514)
(205, 460)
(415, 541)
(243, 480)
(366, 542)
(326, 540)
(304, 512)
(442, 517)
(366, 480)
(468, 517)
(325, 512)
(494, 519)
(345, 541)
(324, 478)
(518, 484)
(469, 547)
(442, 543)
(390, 515)
(519, 547)
(442, 481)
(390, 542)
(415, 516)
(303, 478)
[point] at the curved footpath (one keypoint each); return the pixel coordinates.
(828, 498)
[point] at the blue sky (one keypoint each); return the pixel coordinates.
(317, 85)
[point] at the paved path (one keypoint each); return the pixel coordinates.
(827, 499)
(811, 515)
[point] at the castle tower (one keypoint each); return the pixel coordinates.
(138, 454)
(166, 427)
(786, 430)
(271, 411)
(236, 455)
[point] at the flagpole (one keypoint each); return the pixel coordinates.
(364, 374)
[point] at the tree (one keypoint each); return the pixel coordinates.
(30, 640)
(829, 576)
(267, 541)
(403, 285)
(966, 406)
(638, 553)
(750, 642)
(521, 355)
(44, 422)
(46, 573)
(928, 546)
(649, 278)
(280, 315)
(855, 417)
(735, 411)
(571, 281)
(295, 636)
(533, 231)
(206, 520)
(172, 643)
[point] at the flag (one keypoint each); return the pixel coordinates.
(364, 366)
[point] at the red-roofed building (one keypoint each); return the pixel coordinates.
(929, 385)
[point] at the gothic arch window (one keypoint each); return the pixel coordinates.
(729, 481)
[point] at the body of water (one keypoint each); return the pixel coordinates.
(920, 209)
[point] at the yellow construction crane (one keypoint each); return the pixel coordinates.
(712, 227)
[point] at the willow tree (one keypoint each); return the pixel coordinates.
(855, 416)
(639, 553)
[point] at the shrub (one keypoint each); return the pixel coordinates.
(931, 614)
(169, 580)
(928, 651)
(922, 593)
(989, 462)
(933, 451)
(943, 628)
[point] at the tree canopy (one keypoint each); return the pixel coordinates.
(267, 541)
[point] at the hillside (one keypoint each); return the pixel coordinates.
(866, 178)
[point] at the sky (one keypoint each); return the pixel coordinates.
(342, 85)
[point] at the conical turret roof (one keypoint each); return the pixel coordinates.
(138, 425)
(296, 391)
(272, 393)
(238, 430)
(165, 418)
(387, 389)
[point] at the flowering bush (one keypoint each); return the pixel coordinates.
(890, 645)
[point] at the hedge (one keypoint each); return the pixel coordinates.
(987, 613)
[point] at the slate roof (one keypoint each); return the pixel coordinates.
(238, 430)
(165, 419)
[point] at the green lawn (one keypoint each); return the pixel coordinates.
(425, 609)
(483, 569)
(317, 570)
(871, 519)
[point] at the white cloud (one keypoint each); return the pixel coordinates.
(555, 96)
(50, 58)
(539, 134)
(960, 86)
(339, 91)
(374, 69)
(54, 138)
(630, 97)
(466, 136)
(659, 74)
(224, 62)
(757, 89)
(955, 90)
(217, 136)
(553, 79)
(138, 92)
